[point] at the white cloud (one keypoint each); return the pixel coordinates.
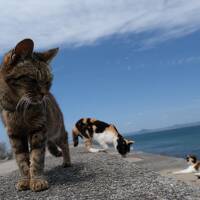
(78, 22)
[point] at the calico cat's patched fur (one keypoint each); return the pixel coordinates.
(91, 129)
(30, 112)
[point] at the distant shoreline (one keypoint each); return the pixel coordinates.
(174, 127)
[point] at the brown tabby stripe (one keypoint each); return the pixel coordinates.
(37, 140)
(19, 145)
(37, 162)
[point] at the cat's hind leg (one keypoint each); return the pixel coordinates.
(104, 145)
(64, 145)
(75, 135)
(53, 149)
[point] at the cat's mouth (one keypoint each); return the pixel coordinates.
(37, 100)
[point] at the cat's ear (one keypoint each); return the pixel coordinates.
(129, 142)
(48, 56)
(22, 50)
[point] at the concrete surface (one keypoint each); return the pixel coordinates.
(106, 176)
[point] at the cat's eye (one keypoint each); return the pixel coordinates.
(21, 80)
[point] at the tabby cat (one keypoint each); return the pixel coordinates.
(103, 133)
(30, 113)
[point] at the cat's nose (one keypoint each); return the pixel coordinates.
(42, 94)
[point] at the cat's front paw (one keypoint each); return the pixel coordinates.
(37, 185)
(23, 184)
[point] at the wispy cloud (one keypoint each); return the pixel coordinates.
(187, 60)
(77, 22)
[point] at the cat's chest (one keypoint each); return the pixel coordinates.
(22, 120)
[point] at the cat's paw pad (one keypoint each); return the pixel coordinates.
(65, 165)
(37, 185)
(23, 184)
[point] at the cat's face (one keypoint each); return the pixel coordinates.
(191, 159)
(26, 74)
(123, 146)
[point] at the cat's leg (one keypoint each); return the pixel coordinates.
(197, 175)
(37, 156)
(53, 149)
(104, 145)
(75, 135)
(64, 145)
(93, 150)
(19, 145)
(88, 145)
(186, 171)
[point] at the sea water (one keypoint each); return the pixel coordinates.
(176, 142)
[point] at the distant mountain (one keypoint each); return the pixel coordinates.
(175, 126)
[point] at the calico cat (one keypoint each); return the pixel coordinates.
(194, 166)
(103, 133)
(30, 112)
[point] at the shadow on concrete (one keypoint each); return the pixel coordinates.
(75, 174)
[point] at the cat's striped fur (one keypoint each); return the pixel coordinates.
(30, 112)
(91, 129)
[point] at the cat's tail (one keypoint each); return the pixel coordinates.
(75, 135)
(53, 149)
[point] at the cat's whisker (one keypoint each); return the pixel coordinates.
(50, 102)
(44, 103)
(47, 100)
(20, 104)
(26, 105)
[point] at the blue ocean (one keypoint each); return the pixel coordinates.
(177, 142)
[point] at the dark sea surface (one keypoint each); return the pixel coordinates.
(176, 142)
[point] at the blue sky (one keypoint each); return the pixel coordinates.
(135, 69)
(116, 82)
